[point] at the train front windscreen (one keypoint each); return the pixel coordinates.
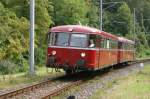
(68, 39)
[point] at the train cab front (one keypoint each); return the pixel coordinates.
(70, 51)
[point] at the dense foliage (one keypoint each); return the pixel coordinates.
(117, 19)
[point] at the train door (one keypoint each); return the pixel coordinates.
(98, 43)
(103, 53)
(94, 43)
(109, 61)
(119, 56)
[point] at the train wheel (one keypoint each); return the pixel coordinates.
(125, 63)
(68, 71)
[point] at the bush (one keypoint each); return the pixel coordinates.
(23, 66)
(7, 67)
(147, 52)
(40, 56)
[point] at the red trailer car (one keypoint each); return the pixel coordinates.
(76, 47)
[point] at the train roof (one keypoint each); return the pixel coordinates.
(74, 28)
(124, 40)
(82, 29)
(88, 30)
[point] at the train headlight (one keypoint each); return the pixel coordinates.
(53, 52)
(83, 54)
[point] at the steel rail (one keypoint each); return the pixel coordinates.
(26, 89)
(142, 60)
(62, 89)
(23, 90)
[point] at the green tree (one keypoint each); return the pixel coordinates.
(69, 12)
(119, 22)
(93, 14)
(20, 7)
(13, 35)
(43, 21)
(124, 15)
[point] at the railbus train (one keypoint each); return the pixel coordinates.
(75, 47)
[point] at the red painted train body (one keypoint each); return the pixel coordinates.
(75, 47)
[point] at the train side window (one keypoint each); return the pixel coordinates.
(98, 41)
(125, 46)
(48, 39)
(114, 44)
(95, 41)
(111, 44)
(132, 47)
(108, 44)
(52, 39)
(103, 42)
(122, 47)
(128, 47)
(62, 39)
(92, 41)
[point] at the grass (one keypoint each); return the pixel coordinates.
(135, 86)
(24, 78)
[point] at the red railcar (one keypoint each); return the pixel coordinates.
(76, 47)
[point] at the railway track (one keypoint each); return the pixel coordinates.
(61, 89)
(25, 89)
(56, 88)
(41, 90)
(22, 90)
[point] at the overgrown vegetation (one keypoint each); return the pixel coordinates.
(23, 78)
(118, 19)
(135, 86)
